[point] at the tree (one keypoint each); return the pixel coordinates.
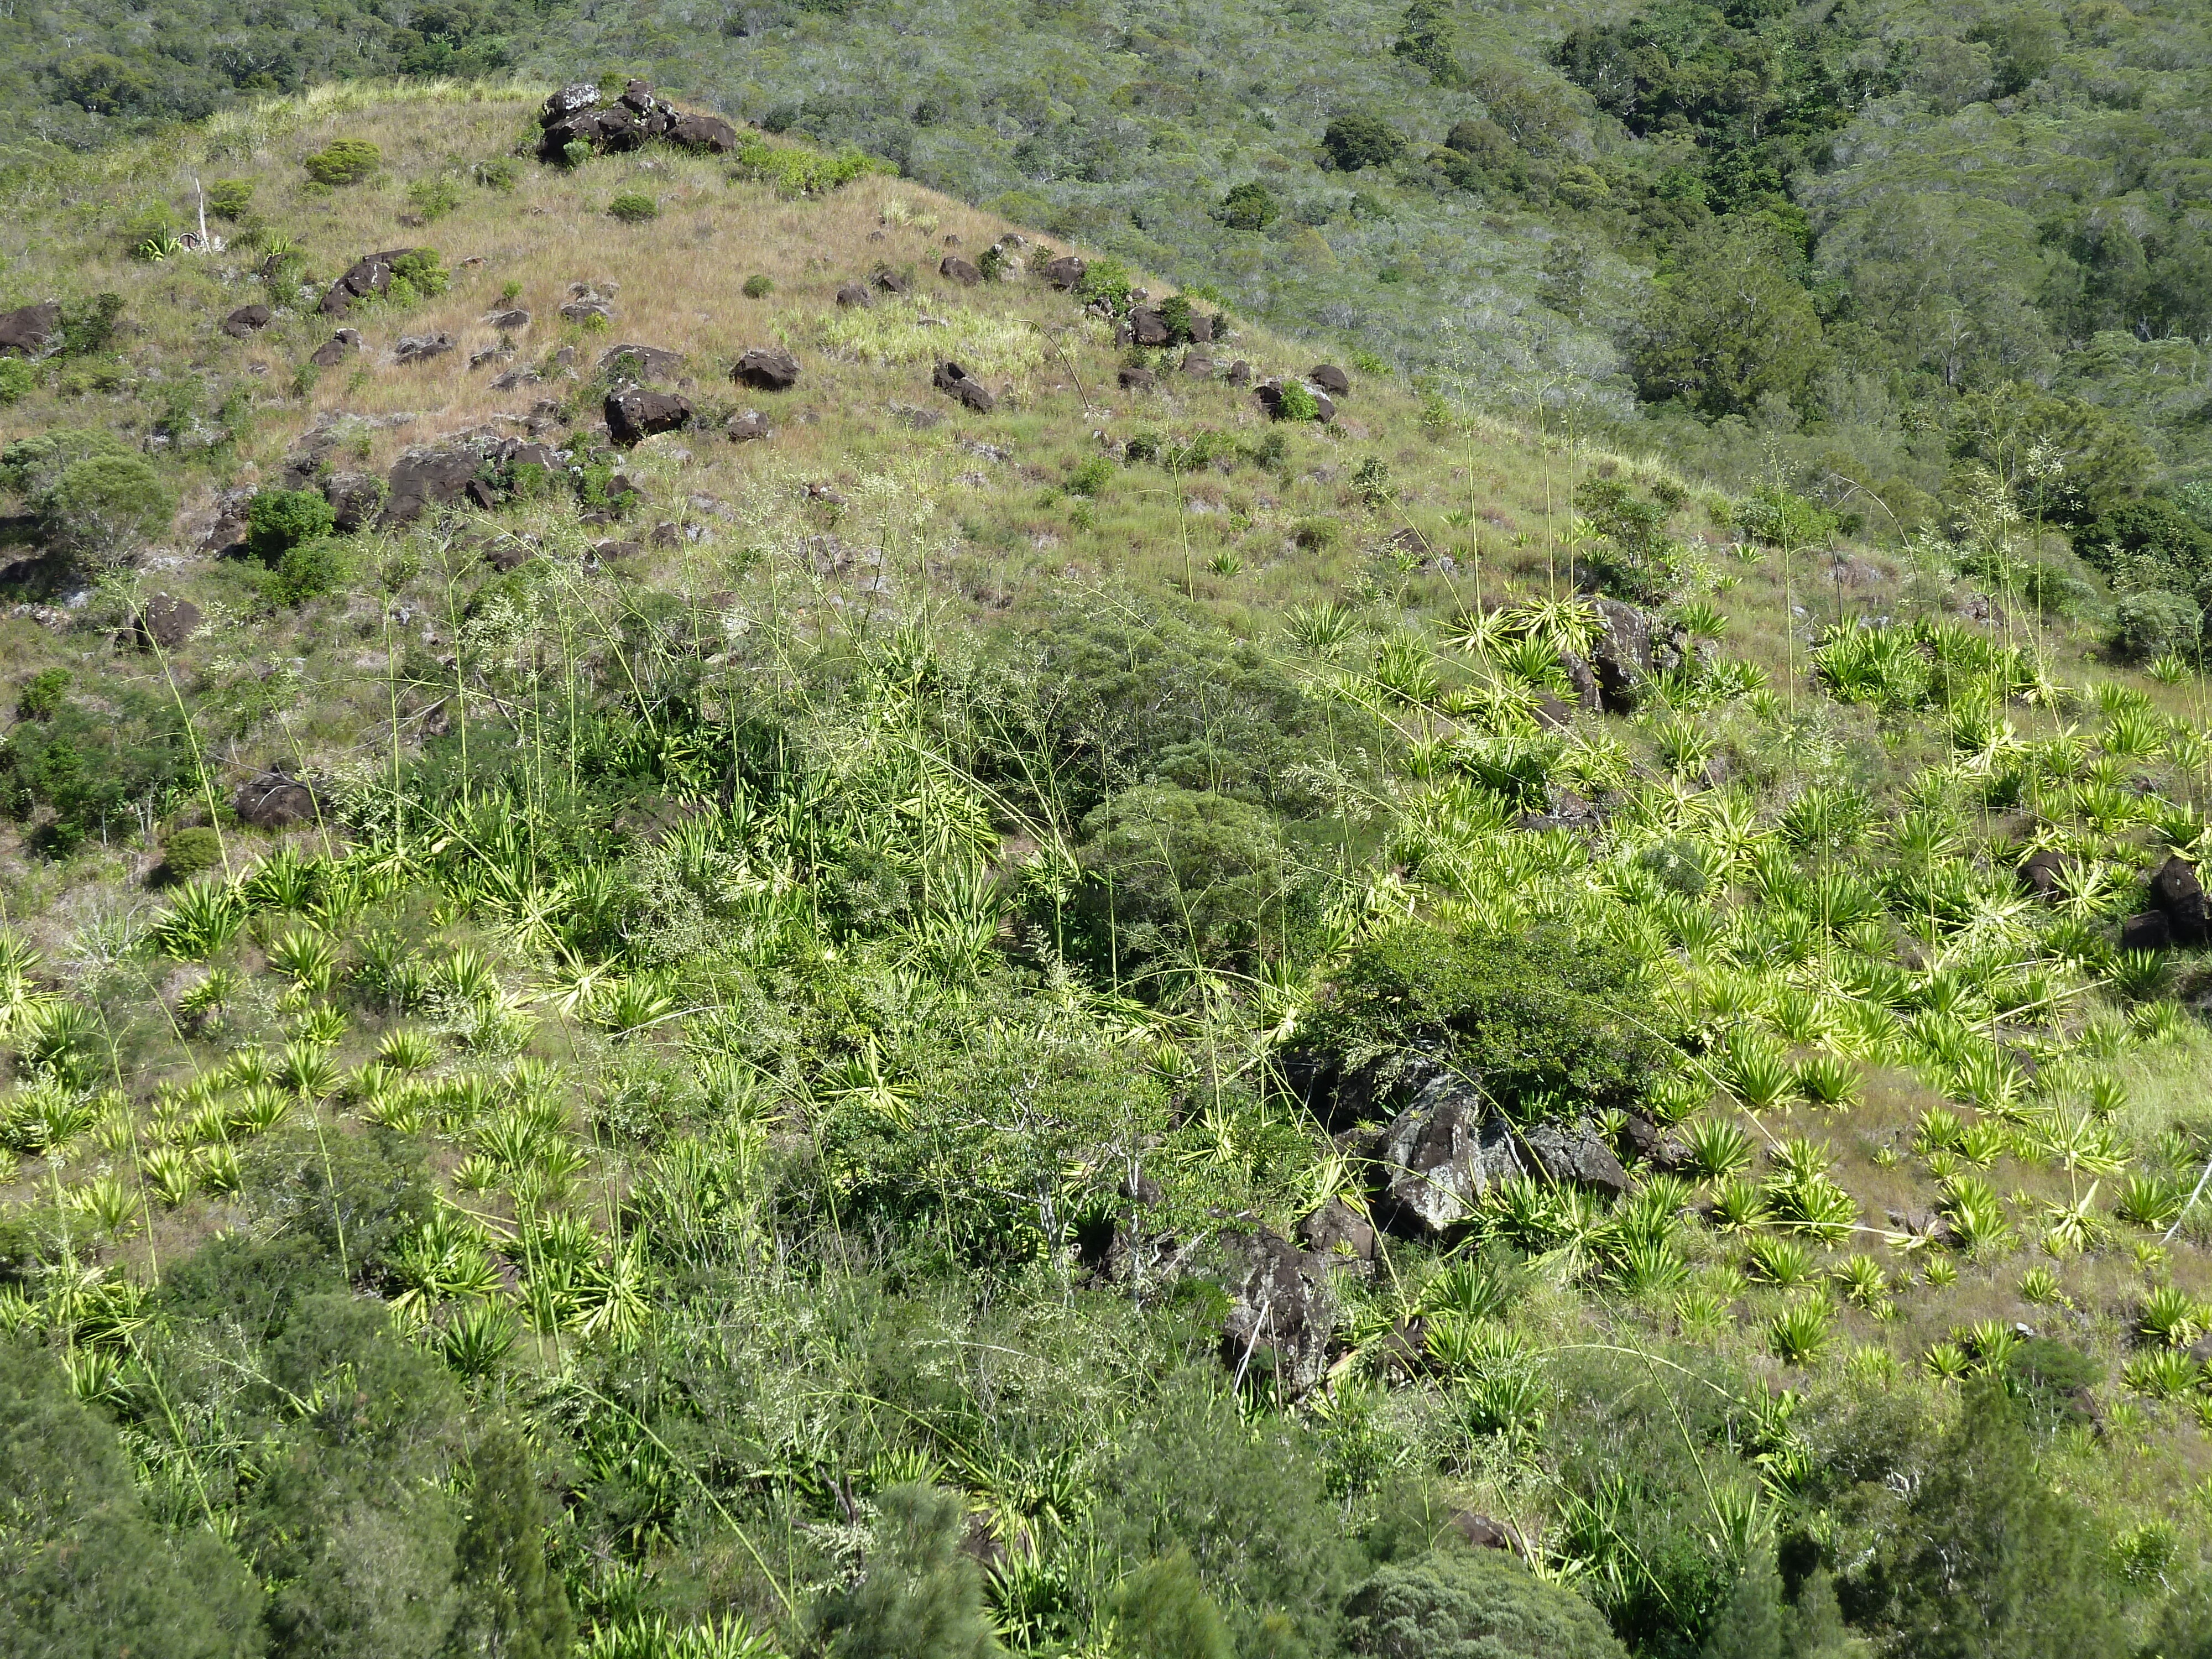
(1353, 142)
(1473, 1605)
(1728, 327)
(922, 1597)
(1183, 873)
(1250, 206)
(278, 520)
(512, 1606)
(87, 1575)
(1163, 1612)
(1989, 1562)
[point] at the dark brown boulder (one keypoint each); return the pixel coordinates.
(369, 274)
(165, 622)
(1201, 328)
(28, 331)
(2150, 931)
(605, 552)
(958, 383)
(1066, 271)
(2176, 892)
(955, 269)
(642, 363)
(345, 343)
(666, 534)
(1198, 366)
(892, 281)
(770, 368)
(1240, 373)
(247, 319)
(509, 322)
(1584, 681)
(2040, 874)
(272, 800)
(423, 479)
(354, 499)
(1484, 1532)
(421, 348)
(1649, 1144)
(748, 428)
(634, 414)
(707, 132)
(1551, 714)
(855, 296)
(1332, 380)
(1132, 379)
(582, 311)
(1148, 328)
(508, 555)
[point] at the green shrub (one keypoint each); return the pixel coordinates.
(344, 162)
(634, 207)
(434, 199)
(1528, 1015)
(1091, 476)
(2153, 623)
(500, 172)
(1353, 142)
(1250, 206)
(1161, 1611)
(1296, 403)
(922, 1593)
(105, 507)
(230, 198)
(189, 853)
(278, 520)
(423, 272)
(1183, 874)
(89, 329)
(1106, 280)
(17, 380)
(758, 287)
(310, 570)
(1475, 1604)
(150, 232)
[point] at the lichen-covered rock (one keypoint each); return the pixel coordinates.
(1621, 656)
(165, 622)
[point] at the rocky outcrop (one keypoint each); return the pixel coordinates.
(1132, 379)
(1332, 380)
(367, 277)
(576, 115)
(509, 322)
(767, 368)
(30, 331)
(275, 800)
(954, 269)
(1442, 1153)
(635, 413)
(2150, 931)
(1067, 271)
(748, 428)
(1574, 1150)
(1281, 1312)
(1621, 656)
(246, 320)
(958, 383)
(426, 478)
(855, 296)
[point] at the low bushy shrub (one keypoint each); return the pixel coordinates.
(634, 207)
(278, 520)
(344, 161)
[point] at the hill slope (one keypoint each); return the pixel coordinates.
(1061, 993)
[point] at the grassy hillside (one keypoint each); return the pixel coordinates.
(1115, 1025)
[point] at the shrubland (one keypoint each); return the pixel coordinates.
(718, 1048)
